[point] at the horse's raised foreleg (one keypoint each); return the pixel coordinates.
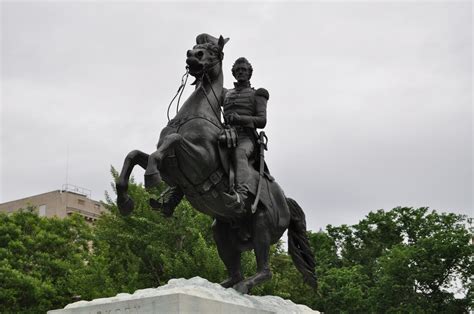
(124, 202)
(228, 252)
(261, 242)
(165, 145)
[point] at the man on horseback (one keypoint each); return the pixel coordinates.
(245, 110)
(188, 159)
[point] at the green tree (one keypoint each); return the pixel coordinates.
(344, 290)
(408, 260)
(40, 259)
(405, 260)
(427, 267)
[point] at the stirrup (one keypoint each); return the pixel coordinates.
(237, 203)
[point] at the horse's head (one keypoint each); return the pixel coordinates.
(206, 56)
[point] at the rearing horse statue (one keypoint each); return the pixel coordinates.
(190, 159)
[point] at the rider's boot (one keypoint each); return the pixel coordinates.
(239, 195)
(236, 202)
(242, 174)
(242, 189)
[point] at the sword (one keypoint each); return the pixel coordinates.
(262, 140)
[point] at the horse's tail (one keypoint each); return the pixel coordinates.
(298, 244)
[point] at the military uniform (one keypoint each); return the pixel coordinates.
(251, 106)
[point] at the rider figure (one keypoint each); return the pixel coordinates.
(245, 109)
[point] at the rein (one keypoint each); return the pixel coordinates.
(180, 90)
(218, 102)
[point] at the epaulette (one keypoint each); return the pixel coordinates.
(262, 92)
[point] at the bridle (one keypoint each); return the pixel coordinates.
(204, 73)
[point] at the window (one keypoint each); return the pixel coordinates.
(42, 210)
(81, 202)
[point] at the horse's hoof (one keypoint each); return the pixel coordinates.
(229, 282)
(152, 180)
(125, 206)
(242, 287)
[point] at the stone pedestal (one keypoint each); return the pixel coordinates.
(195, 295)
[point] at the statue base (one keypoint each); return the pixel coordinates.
(195, 295)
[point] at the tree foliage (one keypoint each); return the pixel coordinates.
(39, 260)
(403, 260)
(409, 260)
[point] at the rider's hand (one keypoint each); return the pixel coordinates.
(233, 118)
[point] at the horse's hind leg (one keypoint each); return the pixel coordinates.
(261, 242)
(124, 202)
(228, 252)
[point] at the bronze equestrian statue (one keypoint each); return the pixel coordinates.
(193, 159)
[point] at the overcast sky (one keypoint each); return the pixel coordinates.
(370, 103)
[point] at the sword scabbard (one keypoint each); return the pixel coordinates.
(262, 140)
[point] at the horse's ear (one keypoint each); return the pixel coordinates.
(221, 42)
